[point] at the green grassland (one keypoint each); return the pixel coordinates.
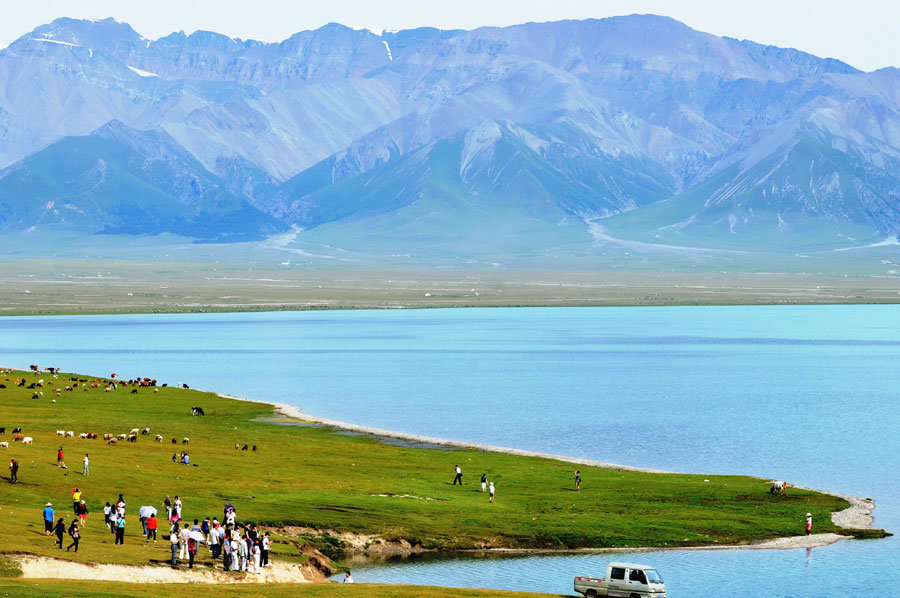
(328, 480)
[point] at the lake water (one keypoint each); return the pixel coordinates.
(807, 394)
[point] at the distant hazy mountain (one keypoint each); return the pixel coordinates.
(445, 141)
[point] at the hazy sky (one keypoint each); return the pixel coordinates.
(864, 33)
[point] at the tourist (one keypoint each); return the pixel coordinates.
(60, 529)
(87, 467)
(82, 512)
(48, 519)
(76, 496)
(808, 524)
(577, 480)
(168, 505)
(243, 552)
(491, 491)
(348, 578)
(59, 458)
(264, 550)
(75, 535)
(107, 510)
(13, 471)
(235, 554)
(483, 482)
(214, 538)
(120, 529)
(152, 525)
(192, 551)
(182, 546)
(226, 550)
(458, 477)
(174, 539)
(120, 506)
(257, 557)
(178, 507)
(143, 526)
(204, 527)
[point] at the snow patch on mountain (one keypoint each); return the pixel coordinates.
(140, 72)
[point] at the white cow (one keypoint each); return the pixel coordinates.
(70, 434)
(4, 445)
(27, 440)
(60, 432)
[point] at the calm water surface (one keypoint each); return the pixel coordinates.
(807, 394)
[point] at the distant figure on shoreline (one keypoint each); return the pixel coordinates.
(491, 491)
(348, 578)
(577, 480)
(483, 482)
(458, 477)
(808, 524)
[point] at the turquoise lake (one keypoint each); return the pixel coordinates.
(806, 394)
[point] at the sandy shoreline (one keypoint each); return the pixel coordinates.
(856, 516)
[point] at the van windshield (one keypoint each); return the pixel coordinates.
(653, 576)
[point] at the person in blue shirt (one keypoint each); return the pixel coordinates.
(48, 519)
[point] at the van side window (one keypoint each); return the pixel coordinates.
(617, 573)
(638, 576)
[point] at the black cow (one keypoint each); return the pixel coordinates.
(134, 391)
(185, 386)
(197, 411)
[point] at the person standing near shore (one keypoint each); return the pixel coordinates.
(808, 524)
(491, 492)
(577, 480)
(458, 477)
(484, 482)
(173, 540)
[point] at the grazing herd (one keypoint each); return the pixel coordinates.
(108, 385)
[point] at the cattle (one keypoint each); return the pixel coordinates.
(159, 438)
(132, 438)
(35, 395)
(113, 441)
(185, 440)
(165, 385)
(4, 445)
(185, 386)
(244, 448)
(27, 440)
(83, 435)
(92, 435)
(17, 437)
(145, 432)
(135, 431)
(60, 432)
(254, 448)
(2, 431)
(17, 430)
(174, 441)
(122, 436)
(197, 411)
(2, 385)
(70, 434)
(134, 391)
(107, 436)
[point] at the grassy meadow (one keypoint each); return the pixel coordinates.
(329, 480)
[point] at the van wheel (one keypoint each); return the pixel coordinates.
(591, 594)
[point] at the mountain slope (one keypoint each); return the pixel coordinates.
(122, 181)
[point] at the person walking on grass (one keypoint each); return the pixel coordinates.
(808, 524)
(13, 471)
(87, 465)
(76, 496)
(174, 539)
(75, 534)
(192, 552)
(120, 530)
(491, 492)
(152, 526)
(107, 510)
(168, 505)
(48, 519)
(82, 512)
(484, 482)
(60, 529)
(458, 477)
(59, 459)
(577, 480)
(264, 550)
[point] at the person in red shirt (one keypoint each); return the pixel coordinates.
(59, 459)
(152, 525)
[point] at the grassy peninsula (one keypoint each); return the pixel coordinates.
(319, 478)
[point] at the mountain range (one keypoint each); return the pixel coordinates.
(535, 138)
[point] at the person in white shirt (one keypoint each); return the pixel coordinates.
(256, 558)
(348, 578)
(87, 463)
(458, 477)
(265, 550)
(174, 538)
(491, 491)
